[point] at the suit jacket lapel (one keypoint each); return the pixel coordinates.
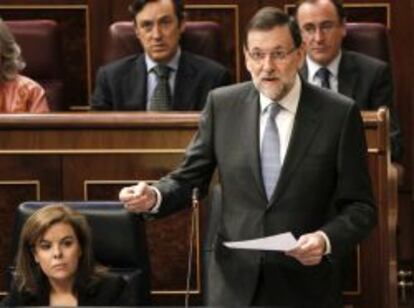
(138, 82)
(249, 134)
(304, 72)
(183, 95)
(304, 131)
(347, 75)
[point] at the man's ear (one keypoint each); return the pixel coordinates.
(136, 32)
(343, 27)
(301, 54)
(135, 23)
(182, 25)
(245, 51)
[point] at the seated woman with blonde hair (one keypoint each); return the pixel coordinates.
(55, 265)
(17, 92)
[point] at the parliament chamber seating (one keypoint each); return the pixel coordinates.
(40, 44)
(199, 37)
(368, 38)
(371, 39)
(118, 240)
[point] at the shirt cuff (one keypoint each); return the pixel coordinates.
(156, 207)
(328, 248)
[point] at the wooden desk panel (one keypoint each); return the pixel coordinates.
(90, 156)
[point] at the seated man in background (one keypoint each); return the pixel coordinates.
(17, 93)
(164, 77)
(367, 80)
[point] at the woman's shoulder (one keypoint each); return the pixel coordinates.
(103, 289)
(20, 298)
(24, 81)
(114, 290)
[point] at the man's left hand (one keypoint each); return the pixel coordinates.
(310, 250)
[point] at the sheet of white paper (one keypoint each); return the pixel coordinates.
(279, 242)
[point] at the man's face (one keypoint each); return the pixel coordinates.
(322, 30)
(158, 30)
(273, 60)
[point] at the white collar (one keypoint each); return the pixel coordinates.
(333, 67)
(289, 102)
(173, 63)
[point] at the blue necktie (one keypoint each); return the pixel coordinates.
(323, 75)
(271, 163)
(161, 98)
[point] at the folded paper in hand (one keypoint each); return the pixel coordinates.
(279, 242)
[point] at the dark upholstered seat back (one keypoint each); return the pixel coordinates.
(41, 49)
(118, 239)
(200, 37)
(368, 38)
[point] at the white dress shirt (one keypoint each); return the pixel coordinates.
(152, 79)
(284, 119)
(333, 68)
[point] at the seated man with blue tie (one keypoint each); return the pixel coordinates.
(365, 79)
(291, 157)
(164, 77)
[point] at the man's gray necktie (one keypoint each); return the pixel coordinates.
(271, 162)
(323, 75)
(161, 97)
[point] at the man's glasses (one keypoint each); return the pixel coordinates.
(276, 56)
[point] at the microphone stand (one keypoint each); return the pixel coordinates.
(194, 236)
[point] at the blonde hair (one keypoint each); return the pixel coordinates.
(11, 61)
(29, 277)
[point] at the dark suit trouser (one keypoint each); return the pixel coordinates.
(281, 287)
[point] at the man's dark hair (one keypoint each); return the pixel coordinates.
(137, 5)
(338, 4)
(269, 17)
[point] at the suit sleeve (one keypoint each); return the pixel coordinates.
(196, 169)
(382, 95)
(354, 211)
(136, 291)
(102, 97)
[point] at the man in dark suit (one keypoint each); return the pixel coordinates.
(366, 80)
(130, 83)
(290, 157)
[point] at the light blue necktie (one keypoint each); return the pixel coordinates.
(270, 154)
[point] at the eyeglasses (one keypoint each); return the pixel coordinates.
(325, 28)
(276, 56)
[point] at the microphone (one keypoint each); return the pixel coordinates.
(194, 197)
(193, 237)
